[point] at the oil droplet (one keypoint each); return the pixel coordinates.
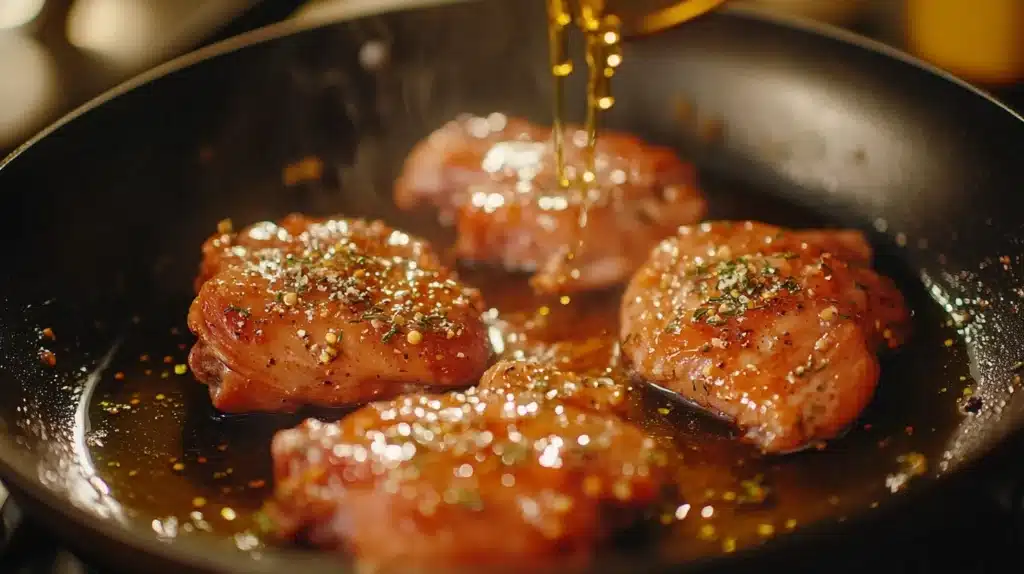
(227, 513)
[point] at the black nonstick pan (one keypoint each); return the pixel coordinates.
(109, 441)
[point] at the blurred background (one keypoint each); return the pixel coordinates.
(57, 54)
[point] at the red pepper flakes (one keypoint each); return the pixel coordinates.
(119, 376)
(48, 333)
(48, 358)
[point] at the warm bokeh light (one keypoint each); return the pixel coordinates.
(115, 28)
(17, 13)
(138, 33)
(27, 100)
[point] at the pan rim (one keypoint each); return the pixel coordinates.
(290, 27)
(19, 468)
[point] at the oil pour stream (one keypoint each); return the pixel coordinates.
(603, 55)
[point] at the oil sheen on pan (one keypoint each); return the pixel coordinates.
(167, 458)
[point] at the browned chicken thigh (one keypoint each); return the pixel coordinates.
(329, 313)
(529, 466)
(495, 180)
(777, 330)
(542, 381)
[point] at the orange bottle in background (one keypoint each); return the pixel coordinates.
(981, 41)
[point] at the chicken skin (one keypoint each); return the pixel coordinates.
(329, 313)
(776, 330)
(528, 467)
(540, 381)
(495, 180)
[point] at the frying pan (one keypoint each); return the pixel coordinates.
(104, 212)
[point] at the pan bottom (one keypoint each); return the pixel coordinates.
(143, 431)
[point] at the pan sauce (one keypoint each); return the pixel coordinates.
(184, 470)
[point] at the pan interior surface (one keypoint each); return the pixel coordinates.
(108, 212)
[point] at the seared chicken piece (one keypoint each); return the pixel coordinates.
(777, 330)
(494, 179)
(505, 474)
(330, 313)
(536, 381)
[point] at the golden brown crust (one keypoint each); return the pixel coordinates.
(330, 313)
(494, 179)
(487, 476)
(766, 326)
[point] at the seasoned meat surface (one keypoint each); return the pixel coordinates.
(530, 466)
(537, 381)
(777, 330)
(329, 313)
(495, 180)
